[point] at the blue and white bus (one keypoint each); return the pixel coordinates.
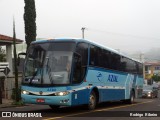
(71, 72)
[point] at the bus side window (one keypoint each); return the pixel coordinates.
(94, 56)
(80, 67)
(77, 69)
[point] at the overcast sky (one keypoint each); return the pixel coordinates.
(128, 25)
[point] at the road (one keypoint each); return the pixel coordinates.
(104, 111)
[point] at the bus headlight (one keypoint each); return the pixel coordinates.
(24, 92)
(61, 93)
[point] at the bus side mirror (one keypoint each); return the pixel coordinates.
(18, 61)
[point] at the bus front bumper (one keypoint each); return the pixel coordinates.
(47, 100)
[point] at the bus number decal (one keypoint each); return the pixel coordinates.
(51, 89)
(112, 78)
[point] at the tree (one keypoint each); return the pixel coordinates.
(15, 64)
(30, 21)
(156, 78)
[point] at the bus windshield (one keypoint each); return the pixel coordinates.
(49, 63)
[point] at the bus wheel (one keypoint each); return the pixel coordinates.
(132, 97)
(131, 100)
(54, 107)
(92, 101)
(152, 96)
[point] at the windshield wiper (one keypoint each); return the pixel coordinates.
(48, 68)
(33, 76)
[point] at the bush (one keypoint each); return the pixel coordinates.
(14, 94)
(156, 78)
(20, 103)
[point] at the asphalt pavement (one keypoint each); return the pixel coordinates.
(142, 109)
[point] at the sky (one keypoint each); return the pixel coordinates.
(130, 26)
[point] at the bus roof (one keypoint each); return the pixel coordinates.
(87, 41)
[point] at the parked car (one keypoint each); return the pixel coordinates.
(150, 91)
(156, 86)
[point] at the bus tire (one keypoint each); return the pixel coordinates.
(92, 101)
(131, 99)
(54, 107)
(152, 96)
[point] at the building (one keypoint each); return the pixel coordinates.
(151, 68)
(7, 82)
(7, 41)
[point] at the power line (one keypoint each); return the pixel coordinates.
(122, 34)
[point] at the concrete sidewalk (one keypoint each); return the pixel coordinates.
(6, 103)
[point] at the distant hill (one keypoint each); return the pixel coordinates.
(152, 55)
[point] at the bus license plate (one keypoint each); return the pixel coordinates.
(40, 100)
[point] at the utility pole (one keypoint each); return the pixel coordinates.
(83, 28)
(140, 57)
(142, 60)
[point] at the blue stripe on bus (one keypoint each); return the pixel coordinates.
(111, 94)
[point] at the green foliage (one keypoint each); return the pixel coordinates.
(2, 55)
(156, 78)
(20, 103)
(30, 21)
(15, 63)
(13, 96)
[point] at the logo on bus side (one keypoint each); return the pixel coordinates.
(112, 78)
(99, 76)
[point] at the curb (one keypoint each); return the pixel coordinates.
(10, 105)
(6, 106)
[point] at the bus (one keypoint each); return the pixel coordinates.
(71, 72)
